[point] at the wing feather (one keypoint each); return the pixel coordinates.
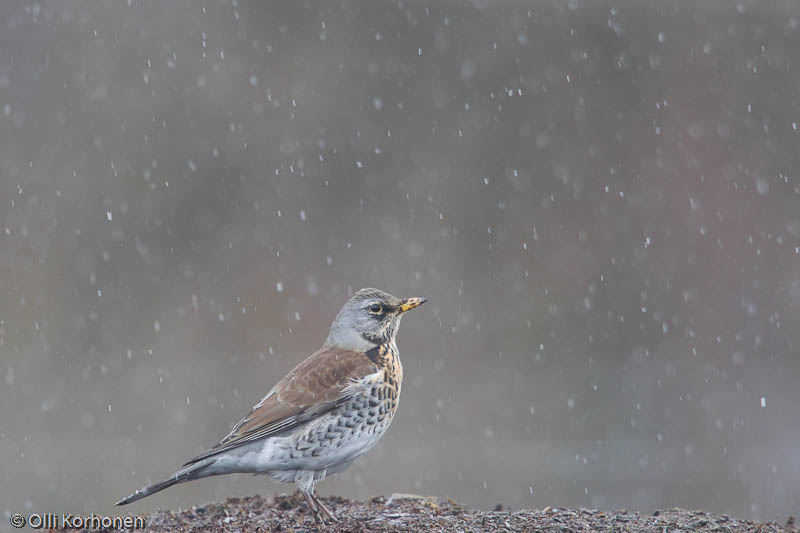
(317, 385)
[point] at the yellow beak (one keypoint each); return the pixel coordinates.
(410, 303)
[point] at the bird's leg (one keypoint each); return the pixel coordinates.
(312, 505)
(327, 512)
(305, 482)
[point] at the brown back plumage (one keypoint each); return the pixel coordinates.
(315, 386)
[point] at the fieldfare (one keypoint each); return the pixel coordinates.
(328, 411)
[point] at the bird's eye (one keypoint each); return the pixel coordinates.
(375, 309)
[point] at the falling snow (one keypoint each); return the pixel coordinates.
(601, 204)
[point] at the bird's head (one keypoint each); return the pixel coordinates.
(369, 318)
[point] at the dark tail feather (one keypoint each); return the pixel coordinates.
(187, 474)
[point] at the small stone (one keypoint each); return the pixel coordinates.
(399, 498)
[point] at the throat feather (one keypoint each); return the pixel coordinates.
(384, 355)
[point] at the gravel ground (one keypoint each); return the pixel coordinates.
(405, 512)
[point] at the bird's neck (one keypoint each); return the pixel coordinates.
(349, 339)
(385, 354)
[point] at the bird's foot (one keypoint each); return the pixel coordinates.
(318, 508)
(327, 512)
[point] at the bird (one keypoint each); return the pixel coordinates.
(324, 414)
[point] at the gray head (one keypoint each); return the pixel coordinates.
(369, 318)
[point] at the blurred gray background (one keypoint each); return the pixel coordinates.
(600, 200)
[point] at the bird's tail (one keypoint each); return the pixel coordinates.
(193, 471)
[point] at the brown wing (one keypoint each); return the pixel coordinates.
(315, 386)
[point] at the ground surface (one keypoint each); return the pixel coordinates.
(415, 513)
